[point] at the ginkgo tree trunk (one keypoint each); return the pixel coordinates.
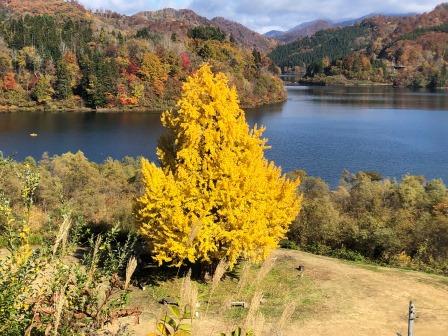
(214, 196)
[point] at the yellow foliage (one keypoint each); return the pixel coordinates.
(24, 251)
(154, 71)
(215, 196)
(28, 56)
(403, 259)
(73, 68)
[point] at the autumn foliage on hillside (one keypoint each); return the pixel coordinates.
(53, 57)
(215, 197)
(404, 51)
(179, 22)
(50, 7)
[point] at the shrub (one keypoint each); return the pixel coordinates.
(44, 290)
(401, 223)
(288, 244)
(343, 253)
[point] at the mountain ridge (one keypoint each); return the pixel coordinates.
(180, 20)
(401, 50)
(56, 53)
(309, 28)
(163, 20)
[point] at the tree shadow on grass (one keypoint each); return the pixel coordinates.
(148, 272)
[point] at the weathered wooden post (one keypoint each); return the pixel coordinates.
(411, 319)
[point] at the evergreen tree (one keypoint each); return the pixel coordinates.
(207, 33)
(63, 81)
(257, 58)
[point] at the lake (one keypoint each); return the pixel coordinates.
(323, 130)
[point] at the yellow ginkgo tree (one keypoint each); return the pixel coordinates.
(214, 196)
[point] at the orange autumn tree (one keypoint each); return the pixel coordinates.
(154, 71)
(215, 196)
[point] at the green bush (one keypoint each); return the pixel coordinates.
(343, 253)
(288, 244)
(374, 218)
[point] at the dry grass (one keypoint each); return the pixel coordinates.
(188, 293)
(60, 302)
(285, 318)
(62, 236)
(130, 269)
(219, 273)
(266, 267)
(244, 277)
(253, 310)
(4, 253)
(37, 218)
(259, 325)
(332, 298)
(280, 285)
(217, 276)
(94, 260)
(365, 301)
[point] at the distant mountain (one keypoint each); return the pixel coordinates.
(307, 29)
(312, 27)
(169, 20)
(351, 22)
(162, 21)
(180, 21)
(406, 50)
(274, 33)
(243, 35)
(301, 30)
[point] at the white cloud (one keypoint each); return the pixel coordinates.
(264, 15)
(261, 15)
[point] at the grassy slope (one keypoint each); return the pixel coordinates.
(334, 298)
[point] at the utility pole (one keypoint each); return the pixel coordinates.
(411, 319)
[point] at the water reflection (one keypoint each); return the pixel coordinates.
(320, 129)
(374, 96)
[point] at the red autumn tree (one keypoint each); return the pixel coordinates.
(9, 81)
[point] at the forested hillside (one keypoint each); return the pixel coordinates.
(404, 51)
(56, 54)
(332, 43)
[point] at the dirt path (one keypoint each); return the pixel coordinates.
(371, 300)
(356, 300)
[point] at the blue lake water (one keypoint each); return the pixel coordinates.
(323, 130)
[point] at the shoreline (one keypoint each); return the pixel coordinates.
(337, 83)
(136, 109)
(330, 81)
(46, 109)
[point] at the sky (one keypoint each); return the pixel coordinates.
(265, 15)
